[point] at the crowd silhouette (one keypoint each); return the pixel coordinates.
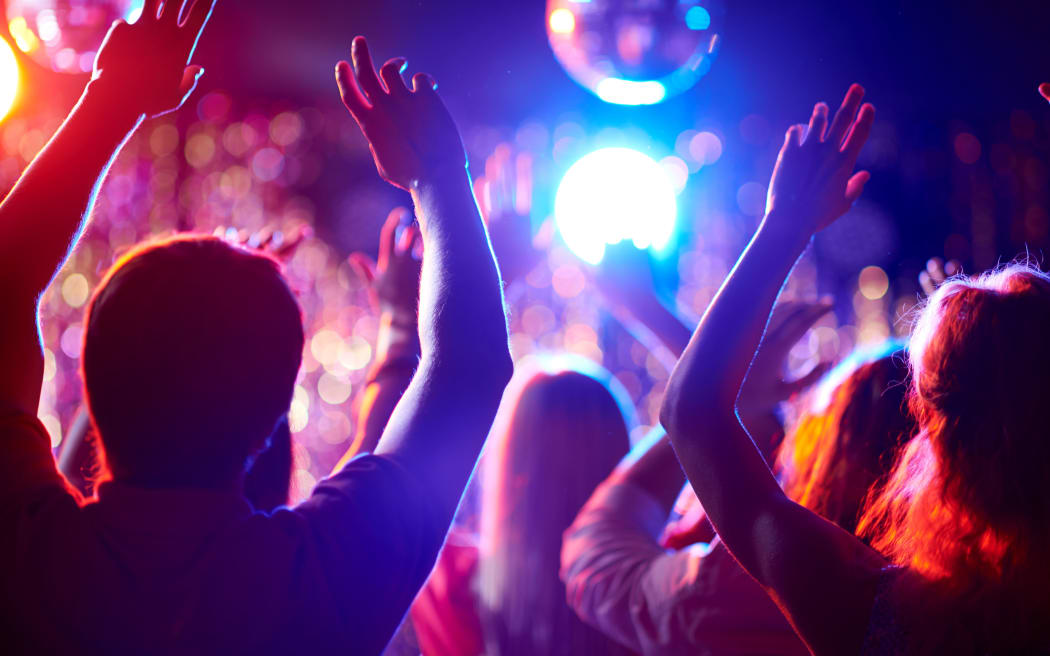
(905, 511)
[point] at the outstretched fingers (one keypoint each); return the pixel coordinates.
(149, 10)
(197, 17)
(388, 235)
(800, 384)
(844, 116)
(410, 238)
(792, 138)
(859, 132)
(170, 12)
(363, 267)
(855, 186)
(818, 123)
(353, 98)
(423, 82)
(365, 70)
(799, 322)
(391, 74)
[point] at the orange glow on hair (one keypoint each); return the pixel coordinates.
(967, 506)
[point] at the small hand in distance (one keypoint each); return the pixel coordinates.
(1044, 89)
(504, 195)
(268, 240)
(147, 61)
(765, 386)
(411, 134)
(624, 275)
(813, 182)
(936, 272)
(393, 281)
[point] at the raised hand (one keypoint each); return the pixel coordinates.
(936, 272)
(268, 240)
(813, 182)
(411, 134)
(765, 386)
(1044, 89)
(504, 194)
(393, 281)
(624, 276)
(147, 61)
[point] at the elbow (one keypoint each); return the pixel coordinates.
(682, 413)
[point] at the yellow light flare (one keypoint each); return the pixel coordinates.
(562, 21)
(24, 37)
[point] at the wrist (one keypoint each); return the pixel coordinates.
(440, 178)
(789, 230)
(106, 95)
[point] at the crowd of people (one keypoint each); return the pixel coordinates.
(904, 512)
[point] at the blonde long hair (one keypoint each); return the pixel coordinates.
(558, 434)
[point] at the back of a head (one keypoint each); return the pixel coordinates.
(559, 435)
(191, 350)
(968, 504)
(839, 449)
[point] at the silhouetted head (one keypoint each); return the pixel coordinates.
(558, 434)
(849, 439)
(191, 350)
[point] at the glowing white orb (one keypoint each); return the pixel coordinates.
(613, 194)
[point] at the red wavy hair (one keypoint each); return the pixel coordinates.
(967, 507)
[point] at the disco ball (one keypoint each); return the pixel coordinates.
(64, 35)
(635, 52)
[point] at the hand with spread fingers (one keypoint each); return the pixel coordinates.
(410, 132)
(147, 61)
(504, 194)
(813, 182)
(268, 240)
(393, 281)
(765, 387)
(936, 272)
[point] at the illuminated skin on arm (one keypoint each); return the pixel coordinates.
(437, 429)
(393, 290)
(821, 576)
(141, 71)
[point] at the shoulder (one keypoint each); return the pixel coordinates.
(373, 500)
(26, 462)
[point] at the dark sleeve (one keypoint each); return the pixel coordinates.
(376, 535)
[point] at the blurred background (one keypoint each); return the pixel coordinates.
(960, 155)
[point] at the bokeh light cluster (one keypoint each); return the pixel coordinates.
(222, 165)
(65, 34)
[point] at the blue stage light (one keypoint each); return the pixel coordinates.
(613, 194)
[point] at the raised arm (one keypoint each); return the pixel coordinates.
(625, 279)
(822, 577)
(393, 291)
(438, 428)
(141, 71)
